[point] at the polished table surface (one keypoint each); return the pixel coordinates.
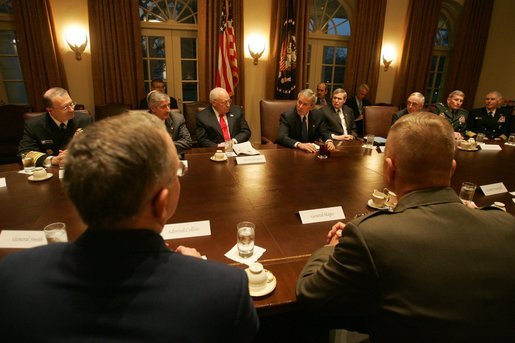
(270, 195)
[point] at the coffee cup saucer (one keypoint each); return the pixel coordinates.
(468, 149)
(218, 160)
(48, 176)
(269, 287)
(370, 203)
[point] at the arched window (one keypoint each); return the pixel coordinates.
(12, 86)
(329, 33)
(439, 61)
(169, 46)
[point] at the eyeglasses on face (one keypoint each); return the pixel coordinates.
(70, 106)
(226, 102)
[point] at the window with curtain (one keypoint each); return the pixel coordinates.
(12, 86)
(169, 46)
(329, 33)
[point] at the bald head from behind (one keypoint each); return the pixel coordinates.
(122, 173)
(419, 153)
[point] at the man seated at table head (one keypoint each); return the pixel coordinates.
(414, 104)
(160, 86)
(453, 113)
(221, 122)
(45, 137)
(339, 118)
(119, 281)
(323, 97)
(492, 120)
(302, 125)
(159, 105)
(433, 269)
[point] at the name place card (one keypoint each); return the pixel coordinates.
(493, 147)
(61, 173)
(512, 193)
(185, 230)
(21, 239)
(494, 188)
(321, 215)
(2, 182)
(257, 159)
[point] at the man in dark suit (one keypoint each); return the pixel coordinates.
(414, 104)
(220, 122)
(339, 118)
(157, 85)
(491, 120)
(119, 281)
(431, 270)
(453, 113)
(323, 97)
(302, 125)
(45, 137)
(159, 105)
(357, 103)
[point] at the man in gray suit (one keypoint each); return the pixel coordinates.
(433, 269)
(159, 105)
(339, 118)
(119, 281)
(220, 122)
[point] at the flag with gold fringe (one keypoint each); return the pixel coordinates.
(227, 72)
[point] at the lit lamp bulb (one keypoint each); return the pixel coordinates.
(388, 57)
(256, 49)
(77, 41)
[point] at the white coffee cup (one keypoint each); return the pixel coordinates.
(39, 173)
(56, 232)
(378, 198)
(219, 155)
(391, 198)
(258, 276)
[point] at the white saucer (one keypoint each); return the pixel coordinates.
(222, 160)
(270, 286)
(371, 204)
(469, 149)
(48, 176)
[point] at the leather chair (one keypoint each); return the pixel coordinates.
(378, 119)
(109, 110)
(11, 131)
(270, 112)
(190, 112)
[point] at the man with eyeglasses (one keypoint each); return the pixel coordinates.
(45, 137)
(414, 104)
(159, 105)
(119, 280)
(221, 122)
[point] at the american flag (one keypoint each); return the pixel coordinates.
(285, 84)
(227, 73)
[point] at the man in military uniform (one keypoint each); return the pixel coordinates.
(45, 137)
(453, 113)
(492, 120)
(432, 269)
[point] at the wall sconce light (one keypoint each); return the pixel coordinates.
(256, 54)
(386, 62)
(388, 56)
(77, 41)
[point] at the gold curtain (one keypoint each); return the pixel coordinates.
(38, 50)
(116, 56)
(469, 49)
(278, 15)
(363, 61)
(208, 33)
(418, 45)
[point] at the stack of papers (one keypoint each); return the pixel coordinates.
(245, 149)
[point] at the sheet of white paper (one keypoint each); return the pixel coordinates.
(184, 230)
(250, 159)
(185, 162)
(2, 182)
(245, 148)
(321, 215)
(21, 239)
(382, 148)
(233, 255)
(230, 154)
(493, 147)
(512, 193)
(380, 140)
(494, 188)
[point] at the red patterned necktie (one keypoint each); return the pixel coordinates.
(225, 130)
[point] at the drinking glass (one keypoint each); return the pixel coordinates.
(246, 235)
(28, 163)
(55, 233)
(370, 141)
(480, 138)
(511, 139)
(467, 191)
(323, 153)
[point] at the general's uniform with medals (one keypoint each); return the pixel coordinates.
(458, 118)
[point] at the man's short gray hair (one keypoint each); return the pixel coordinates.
(113, 168)
(307, 93)
(456, 92)
(420, 96)
(48, 97)
(339, 91)
(155, 97)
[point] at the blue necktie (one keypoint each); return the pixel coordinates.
(305, 136)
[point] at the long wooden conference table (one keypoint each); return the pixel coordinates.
(270, 195)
